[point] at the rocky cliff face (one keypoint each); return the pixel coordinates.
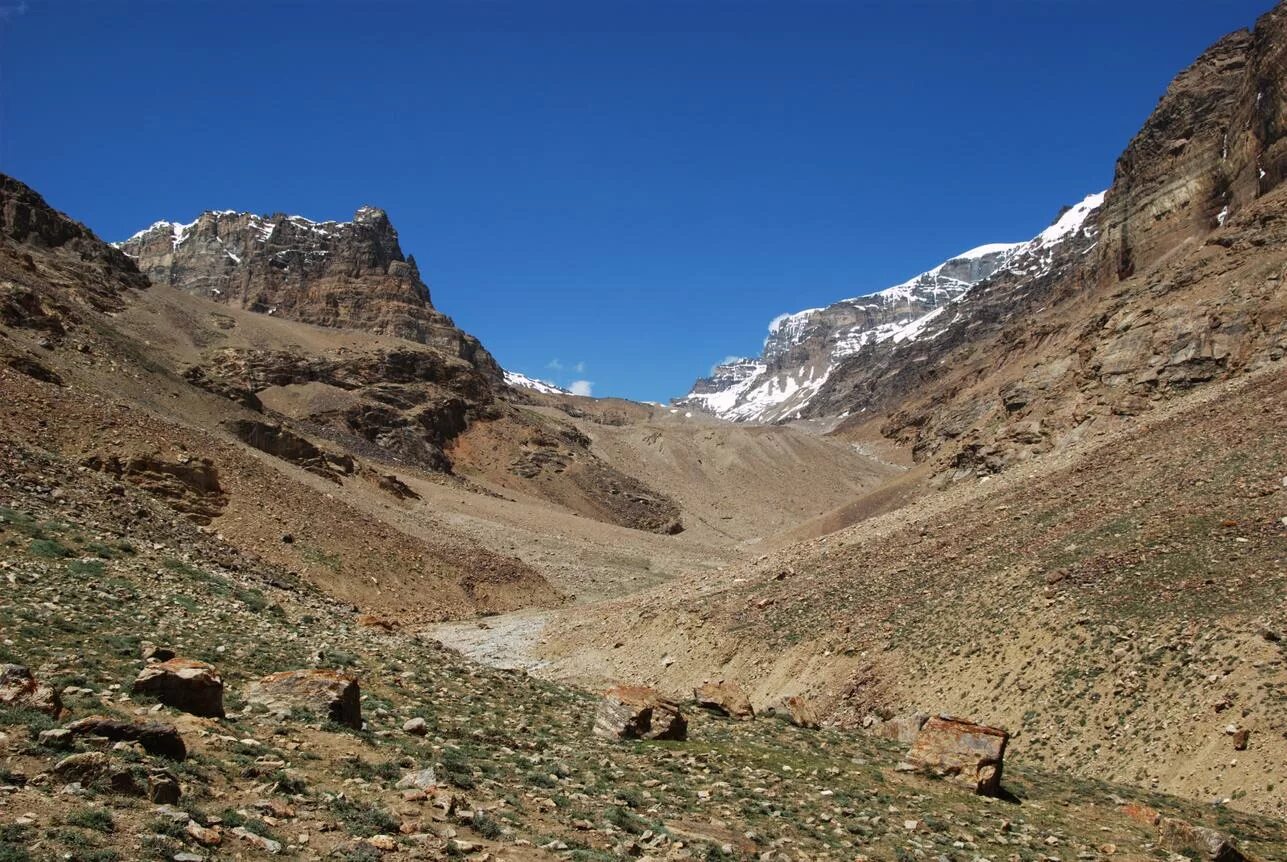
(1175, 282)
(1171, 279)
(54, 265)
(804, 350)
(343, 274)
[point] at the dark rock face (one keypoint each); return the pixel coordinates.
(54, 265)
(340, 274)
(162, 740)
(190, 686)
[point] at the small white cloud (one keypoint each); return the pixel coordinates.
(581, 387)
(579, 368)
(555, 364)
(725, 361)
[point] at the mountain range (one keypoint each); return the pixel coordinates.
(294, 568)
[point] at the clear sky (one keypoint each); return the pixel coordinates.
(631, 189)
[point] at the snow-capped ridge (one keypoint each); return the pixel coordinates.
(514, 378)
(802, 348)
(263, 224)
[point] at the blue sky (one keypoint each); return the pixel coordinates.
(629, 189)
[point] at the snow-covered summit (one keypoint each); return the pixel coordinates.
(803, 348)
(514, 378)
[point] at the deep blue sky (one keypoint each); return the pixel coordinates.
(637, 187)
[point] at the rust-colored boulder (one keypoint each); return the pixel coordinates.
(326, 692)
(726, 698)
(962, 751)
(638, 712)
(1197, 842)
(18, 688)
(162, 740)
(191, 686)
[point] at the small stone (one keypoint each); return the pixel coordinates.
(204, 835)
(386, 843)
(422, 779)
(415, 726)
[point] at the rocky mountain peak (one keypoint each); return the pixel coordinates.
(345, 274)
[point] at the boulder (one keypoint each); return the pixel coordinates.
(162, 740)
(415, 726)
(327, 692)
(1196, 842)
(18, 688)
(798, 711)
(85, 767)
(163, 788)
(638, 712)
(902, 728)
(962, 751)
(725, 698)
(190, 686)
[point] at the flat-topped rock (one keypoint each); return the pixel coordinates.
(964, 752)
(328, 693)
(187, 685)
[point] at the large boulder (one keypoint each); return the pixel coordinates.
(162, 740)
(187, 685)
(798, 711)
(962, 751)
(326, 692)
(18, 688)
(1197, 842)
(725, 698)
(638, 712)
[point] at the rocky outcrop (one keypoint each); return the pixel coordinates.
(327, 693)
(725, 698)
(162, 740)
(54, 269)
(288, 446)
(20, 690)
(186, 484)
(964, 752)
(187, 685)
(638, 712)
(340, 274)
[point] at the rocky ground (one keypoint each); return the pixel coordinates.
(500, 765)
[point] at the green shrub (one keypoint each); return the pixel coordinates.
(49, 548)
(96, 819)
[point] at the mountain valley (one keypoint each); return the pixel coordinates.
(403, 602)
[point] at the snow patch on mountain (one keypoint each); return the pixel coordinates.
(514, 378)
(802, 348)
